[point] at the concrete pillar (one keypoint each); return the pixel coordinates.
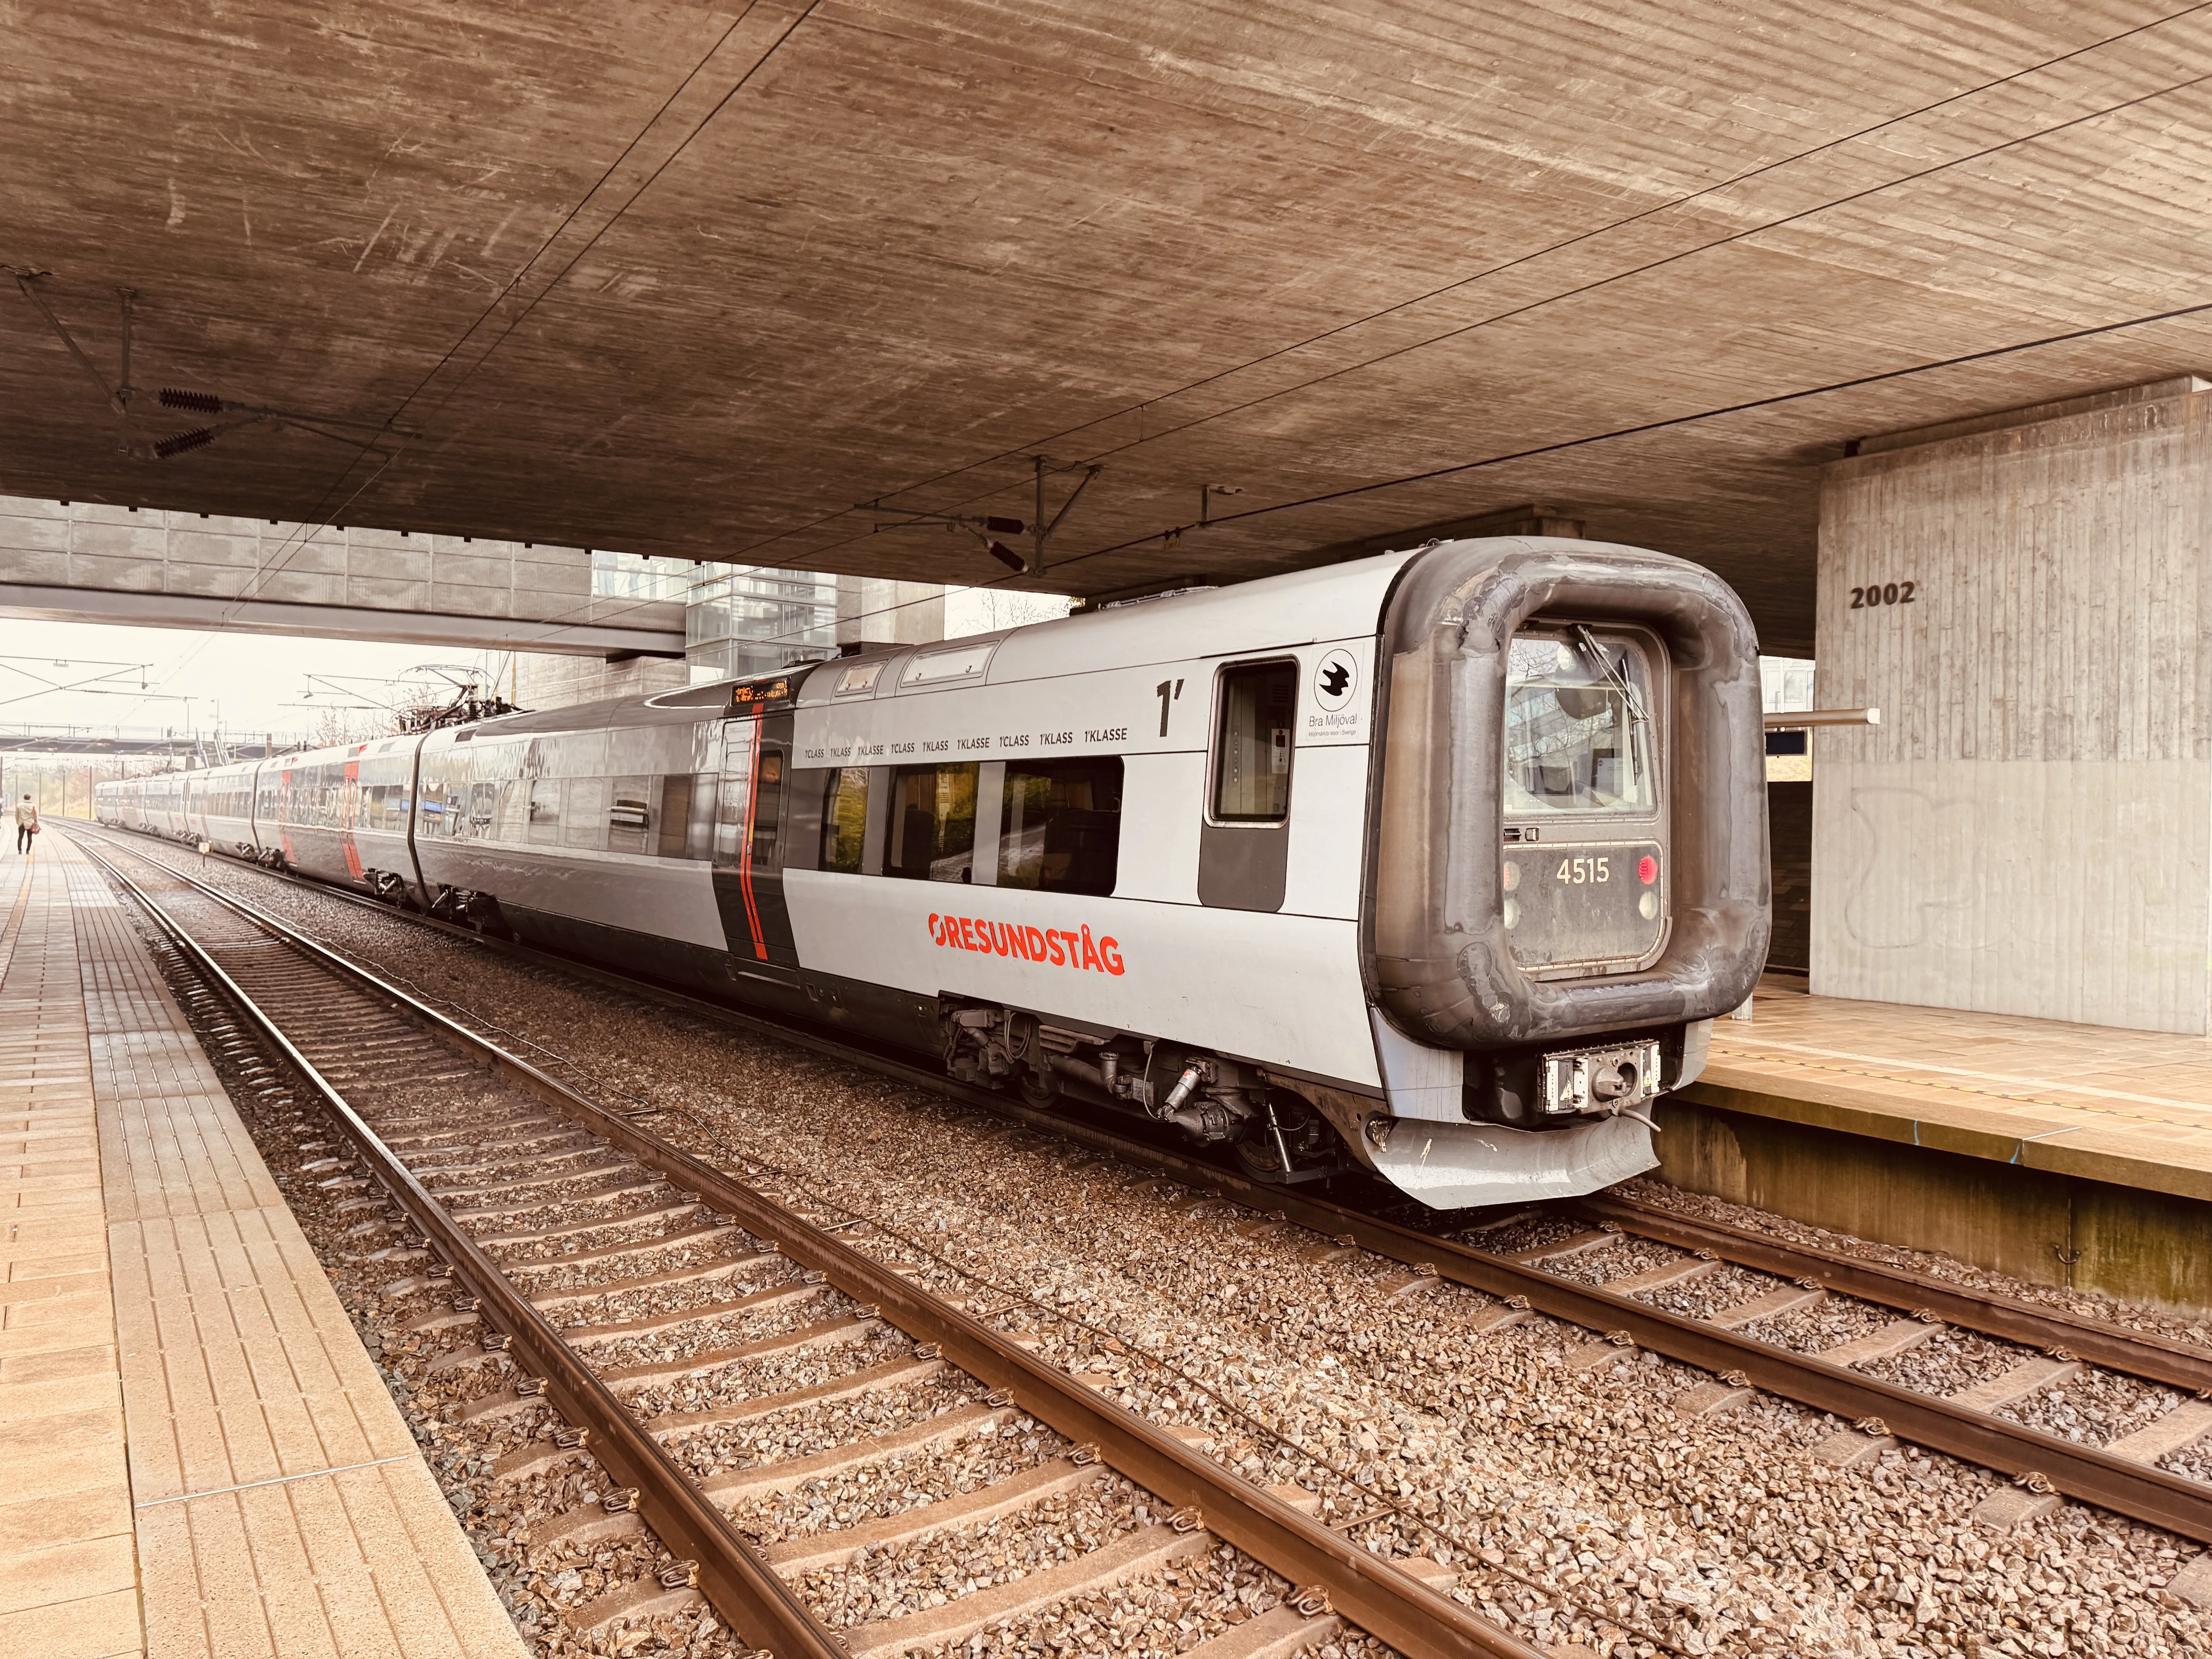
(2029, 830)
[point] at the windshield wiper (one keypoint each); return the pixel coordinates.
(1610, 670)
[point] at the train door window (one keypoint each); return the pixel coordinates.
(734, 795)
(1252, 744)
(768, 807)
(444, 786)
(932, 827)
(845, 818)
(629, 815)
(545, 813)
(1059, 827)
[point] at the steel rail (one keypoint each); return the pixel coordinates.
(1366, 1589)
(2140, 1353)
(2136, 1490)
(744, 1590)
(2140, 1492)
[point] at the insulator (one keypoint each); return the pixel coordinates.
(205, 402)
(198, 438)
(1004, 527)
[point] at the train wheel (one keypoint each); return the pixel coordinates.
(1289, 1142)
(1040, 1089)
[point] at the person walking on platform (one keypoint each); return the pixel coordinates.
(26, 825)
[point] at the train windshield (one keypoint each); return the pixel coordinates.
(1579, 726)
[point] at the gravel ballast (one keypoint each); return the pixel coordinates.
(1578, 1507)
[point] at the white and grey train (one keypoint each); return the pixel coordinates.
(1439, 863)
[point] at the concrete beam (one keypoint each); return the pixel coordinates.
(90, 562)
(336, 622)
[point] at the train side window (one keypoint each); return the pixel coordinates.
(1252, 744)
(544, 811)
(700, 842)
(845, 819)
(477, 818)
(499, 807)
(675, 814)
(932, 828)
(629, 815)
(1060, 828)
(584, 817)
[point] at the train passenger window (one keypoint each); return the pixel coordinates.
(933, 829)
(1059, 827)
(675, 814)
(1252, 745)
(584, 815)
(544, 811)
(1579, 728)
(475, 817)
(687, 813)
(845, 819)
(629, 815)
(499, 796)
(384, 806)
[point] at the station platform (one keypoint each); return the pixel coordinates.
(2073, 1155)
(202, 1457)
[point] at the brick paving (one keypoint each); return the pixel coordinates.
(2133, 1108)
(216, 1465)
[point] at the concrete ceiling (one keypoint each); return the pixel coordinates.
(696, 282)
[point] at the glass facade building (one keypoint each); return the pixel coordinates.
(752, 619)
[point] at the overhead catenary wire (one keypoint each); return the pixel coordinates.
(281, 561)
(553, 624)
(1537, 305)
(1638, 429)
(1611, 434)
(323, 511)
(1646, 426)
(1498, 269)
(1641, 429)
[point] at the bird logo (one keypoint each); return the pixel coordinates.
(1336, 679)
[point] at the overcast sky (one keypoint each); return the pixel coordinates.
(252, 683)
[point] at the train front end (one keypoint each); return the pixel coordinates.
(1569, 872)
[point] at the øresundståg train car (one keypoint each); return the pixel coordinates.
(1439, 863)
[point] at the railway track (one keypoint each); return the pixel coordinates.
(1566, 1277)
(534, 1224)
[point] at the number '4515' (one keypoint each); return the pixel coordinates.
(1581, 871)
